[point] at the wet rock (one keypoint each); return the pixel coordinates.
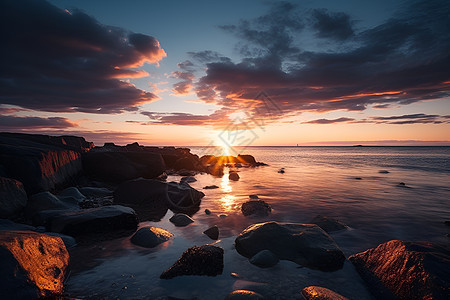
(186, 163)
(204, 260)
(207, 211)
(93, 220)
(383, 171)
(33, 265)
(247, 159)
(328, 224)
(210, 187)
(212, 232)
(244, 295)
(188, 179)
(406, 270)
(117, 167)
(223, 216)
(71, 194)
(47, 201)
(281, 171)
(181, 220)
(256, 208)
(253, 196)
(357, 178)
(264, 259)
(305, 244)
(10, 225)
(321, 293)
(183, 198)
(68, 240)
(234, 176)
(13, 197)
(91, 192)
(149, 236)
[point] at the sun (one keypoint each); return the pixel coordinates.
(225, 148)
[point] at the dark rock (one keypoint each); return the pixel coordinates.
(215, 170)
(305, 244)
(447, 223)
(321, 293)
(256, 208)
(328, 224)
(183, 198)
(383, 171)
(13, 197)
(47, 201)
(93, 220)
(117, 167)
(264, 259)
(68, 240)
(212, 232)
(244, 295)
(10, 225)
(184, 172)
(406, 270)
(246, 159)
(71, 194)
(207, 211)
(149, 236)
(210, 187)
(358, 178)
(188, 179)
(185, 163)
(233, 176)
(204, 260)
(33, 265)
(89, 191)
(223, 216)
(181, 220)
(281, 171)
(253, 196)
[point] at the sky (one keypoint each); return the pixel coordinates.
(236, 73)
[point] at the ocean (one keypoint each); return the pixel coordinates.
(381, 193)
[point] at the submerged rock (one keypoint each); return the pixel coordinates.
(406, 270)
(234, 176)
(256, 208)
(305, 244)
(33, 265)
(212, 232)
(13, 197)
(210, 187)
(281, 171)
(253, 196)
(181, 220)
(188, 179)
(149, 236)
(204, 260)
(321, 293)
(328, 224)
(244, 295)
(207, 211)
(264, 259)
(383, 172)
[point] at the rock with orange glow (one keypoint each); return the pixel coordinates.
(150, 236)
(305, 244)
(321, 293)
(13, 197)
(33, 265)
(406, 270)
(244, 295)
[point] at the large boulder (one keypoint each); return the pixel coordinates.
(149, 236)
(406, 270)
(47, 201)
(33, 265)
(13, 197)
(305, 244)
(151, 198)
(117, 167)
(204, 260)
(94, 220)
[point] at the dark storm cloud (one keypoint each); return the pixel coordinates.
(15, 122)
(60, 61)
(332, 25)
(399, 120)
(401, 61)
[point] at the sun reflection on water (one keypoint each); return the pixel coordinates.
(227, 202)
(225, 185)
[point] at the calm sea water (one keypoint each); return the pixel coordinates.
(339, 182)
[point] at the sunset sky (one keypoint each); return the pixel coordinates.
(189, 73)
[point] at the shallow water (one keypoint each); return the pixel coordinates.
(340, 182)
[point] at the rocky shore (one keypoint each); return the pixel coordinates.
(60, 193)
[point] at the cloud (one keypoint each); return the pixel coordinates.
(187, 76)
(218, 118)
(419, 118)
(27, 123)
(329, 121)
(59, 61)
(399, 62)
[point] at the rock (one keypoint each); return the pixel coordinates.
(212, 232)
(68, 240)
(328, 224)
(244, 295)
(117, 167)
(204, 260)
(149, 236)
(246, 159)
(188, 179)
(181, 220)
(72, 194)
(264, 259)
(47, 201)
(321, 293)
(305, 244)
(406, 270)
(33, 265)
(92, 192)
(93, 220)
(223, 216)
(253, 196)
(233, 176)
(447, 223)
(357, 178)
(215, 170)
(10, 225)
(383, 171)
(207, 211)
(281, 171)
(256, 208)
(13, 197)
(183, 198)
(210, 187)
